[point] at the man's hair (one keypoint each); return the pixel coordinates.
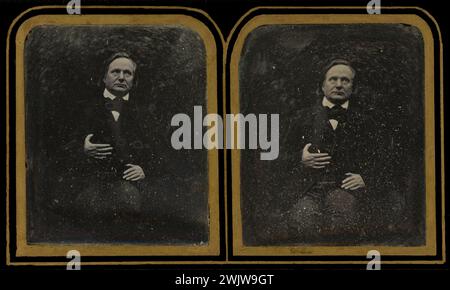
(115, 56)
(338, 62)
(328, 66)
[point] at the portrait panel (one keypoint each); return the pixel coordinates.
(373, 181)
(101, 176)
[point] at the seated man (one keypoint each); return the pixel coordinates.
(334, 156)
(107, 158)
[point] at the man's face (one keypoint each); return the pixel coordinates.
(338, 83)
(119, 78)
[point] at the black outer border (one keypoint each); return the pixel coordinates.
(285, 272)
(437, 82)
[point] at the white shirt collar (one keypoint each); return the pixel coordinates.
(107, 94)
(327, 103)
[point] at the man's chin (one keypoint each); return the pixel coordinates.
(338, 98)
(120, 92)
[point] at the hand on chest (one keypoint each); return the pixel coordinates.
(331, 134)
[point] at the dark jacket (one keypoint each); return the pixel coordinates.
(352, 147)
(128, 137)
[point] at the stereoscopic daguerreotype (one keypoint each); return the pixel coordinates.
(111, 157)
(100, 166)
(351, 165)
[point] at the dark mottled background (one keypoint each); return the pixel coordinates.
(63, 64)
(280, 71)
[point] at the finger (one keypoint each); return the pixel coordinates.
(325, 158)
(127, 177)
(137, 178)
(101, 145)
(348, 184)
(306, 148)
(99, 157)
(131, 176)
(103, 153)
(347, 179)
(318, 167)
(104, 149)
(322, 163)
(130, 173)
(349, 173)
(319, 154)
(129, 170)
(88, 137)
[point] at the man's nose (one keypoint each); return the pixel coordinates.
(339, 83)
(121, 76)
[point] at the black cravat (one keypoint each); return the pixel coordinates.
(337, 113)
(115, 105)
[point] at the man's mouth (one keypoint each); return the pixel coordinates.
(120, 85)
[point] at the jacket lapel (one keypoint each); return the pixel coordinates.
(321, 124)
(350, 127)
